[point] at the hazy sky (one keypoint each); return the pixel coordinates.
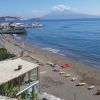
(31, 8)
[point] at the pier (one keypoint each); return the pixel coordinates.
(16, 28)
(13, 31)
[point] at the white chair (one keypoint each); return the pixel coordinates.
(67, 75)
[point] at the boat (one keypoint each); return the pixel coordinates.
(36, 25)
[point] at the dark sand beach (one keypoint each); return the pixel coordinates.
(52, 82)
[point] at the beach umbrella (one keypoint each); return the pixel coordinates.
(66, 65)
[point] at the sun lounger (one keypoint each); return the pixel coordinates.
(98, 92)
(40, 63)
(74, 78)
(67, 75)
(81, 84)
(37, 61)
(61, 72)
(51, 64)
(56, 70)
(91, 87)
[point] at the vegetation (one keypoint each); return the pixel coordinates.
(9, 89)
(29, 95)
(4, 54)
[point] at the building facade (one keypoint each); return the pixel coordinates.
(19, 79)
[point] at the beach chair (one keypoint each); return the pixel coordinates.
(91, 87)
(61, 72)
(51, 64)
(81, 84)
(67, 75)
(74, 78)
(56, 70)
(37, 60)
(98, 92)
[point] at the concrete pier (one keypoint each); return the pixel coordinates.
(13, 31)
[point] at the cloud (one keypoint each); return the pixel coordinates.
(38, 13)
(61, 7)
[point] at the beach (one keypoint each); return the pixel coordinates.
(52, 82)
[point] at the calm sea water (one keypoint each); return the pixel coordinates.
(77, 39)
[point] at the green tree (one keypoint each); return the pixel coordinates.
(4, 54)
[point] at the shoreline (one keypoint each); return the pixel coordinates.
(51, 82)
(80, 68)
(84, 61)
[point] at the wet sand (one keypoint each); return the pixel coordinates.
(52, 82)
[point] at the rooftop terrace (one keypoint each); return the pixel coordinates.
(8, 67)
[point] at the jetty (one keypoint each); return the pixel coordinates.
(13, 31)
(16, 28)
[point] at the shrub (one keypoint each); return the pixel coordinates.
(4, 54)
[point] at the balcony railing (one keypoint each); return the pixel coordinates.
(30, 93)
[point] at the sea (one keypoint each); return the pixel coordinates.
(76, 39)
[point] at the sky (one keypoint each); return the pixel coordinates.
(37, 8)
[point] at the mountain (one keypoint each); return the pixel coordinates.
(67, 15)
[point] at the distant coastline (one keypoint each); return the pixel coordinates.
(10, 18)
